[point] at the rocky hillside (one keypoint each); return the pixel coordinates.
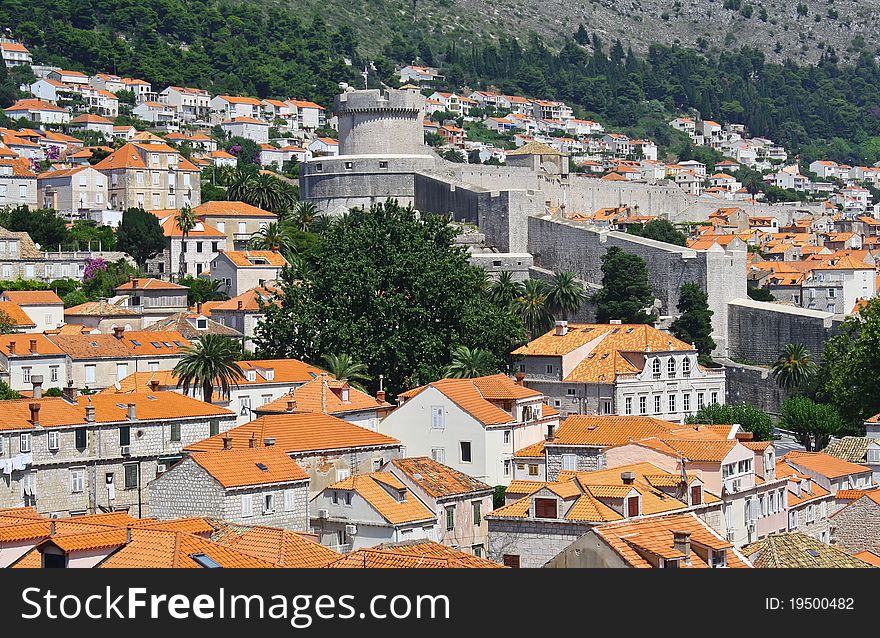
(796, 29)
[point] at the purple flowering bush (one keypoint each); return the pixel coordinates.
(93, 266)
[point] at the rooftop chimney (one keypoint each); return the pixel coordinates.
(520, 378)
(118, 331)
(35, 413)
(628, 478)
(380, 395)
(682, 542)
(134, 282)
(227, 441)
(154, 385)
(90, 412)
(52, 527)
(561, 328)
(239, 304)
(33, 346)
(70, 393)
(199, 307)
(132, 412)
(11, 347)
(252, 442)
(37, 381)
(291, 405)
(127, 535)
(269, 442)
(550, 432)
(615, 322)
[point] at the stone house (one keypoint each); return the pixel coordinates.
(327, 448)
(153, 298)
(861, 450)
(76, 193)
(98, 361)
(241, 270)
(244, 312)
(94, 453)
(856, 526)
(663, 542)
(619, 369)
(366, 510)
(830, 472)
(458, 501)
(540, 519)
(238, 220)
(24, 358)
(809, 504)
(103, 316)
(44, 307)
(185, 256)
(250, 486)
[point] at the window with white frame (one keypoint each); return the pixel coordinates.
(671, 402)
(628, 405)
(655, 368)
(569, 462)
(714, 398)
(700, 400)
(506, 437)
(792, 520)
(657, 404)
(52, 437)
(686, 367)
(437, 420)
(686, 402)
(438, 454)
(26, 374)
(268, 504)
(289, 500)
(247, 506)
(24, 442)
(465, 448)
(670, 368)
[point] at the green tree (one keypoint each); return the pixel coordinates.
(186, 220)
(273, 236)
(88, 233)
(661, 230)
(140, 235)
(390, 288)
(303, 216)
(694, 323)
(849, 375)
(795, 367)
(7, 325)
(625, 293)
(565, 296)
(344, 368)
(202, 290)
(504, 291)
(43, 225)
(760, 294)
(750, 418)
(7, 393)
(533, 307)
(813, 423)
(468, 363)
(211, 363)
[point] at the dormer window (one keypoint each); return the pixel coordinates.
(655, 368)
(251, 375)
(633, 506)
(545, 508)
(345, 394)
(202, 324)
(719, 558)
(696, 494)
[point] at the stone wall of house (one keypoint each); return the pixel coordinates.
(759, 331)
(754, 385)
(327, 468)
(587, 459)
(857, 526)
(296, 518)
(820, 524)
(535, 542)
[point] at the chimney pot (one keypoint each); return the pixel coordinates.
(37, 381)
(11, 347)
(90, 413)
(70, 394)
(33, 345)
(291, 405)
(52, 528)
(227, 442)
(127, 535)
(118, 331)
(628, 478)
(239, 305)
(682, 542)
(154, 385)
(35, 413)
(252, 442)
(134, 282)
(520, 378)
(380, 395)
(550, 432)
(132, 412)
(561, 328)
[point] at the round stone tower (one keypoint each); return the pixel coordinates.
(380, 122)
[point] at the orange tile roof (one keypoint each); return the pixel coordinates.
(869, 556)
(33, 297)
(22, 344)
(824, 464)
(241, 467)
(533, 451)
(300, 434)
(631, 540)
(415, 555)
(316, 396)
(438, 480)
(230, 209)
(35, 105)
(18, 316)
(607, 431)
(150, 284)
(157, 548)
(170, 228)
(696, 451)
(474, 396)
(280, 547)
(88, 118)
(237, 99)
(370, 488)
(149, 406)
(245, 258)
(249, 300)
(852, 495)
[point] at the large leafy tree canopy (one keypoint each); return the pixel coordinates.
(750, 418)
(625, 291)
(694, 325)
(849, 376)
(390, 289)
(140, 235)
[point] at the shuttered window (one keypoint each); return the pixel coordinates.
(545, 508)
(632, 506)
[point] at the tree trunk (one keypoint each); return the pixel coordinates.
(207, 391)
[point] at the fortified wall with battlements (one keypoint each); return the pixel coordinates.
(383, 156)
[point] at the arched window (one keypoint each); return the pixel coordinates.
(686, 366)
(670, 368)
(656, 368)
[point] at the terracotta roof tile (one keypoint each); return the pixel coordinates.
(33, 297)
(230, 209)
(280, 547)
(370, 488)
(18, 316)
(149, 406)
(244, 467)
(255, 258)
(798, 550)
(416, 554)
(824, 464)
(150, 284)
(438, 480)
(317, 396)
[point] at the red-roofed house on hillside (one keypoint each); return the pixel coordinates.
(472, 425)
(241, 270)
(15, 53)
(619, 369)
(38, 111)
(44, 307)
(238, 220)
(151, 176)
(76, 193)
(246, 485)
(189, 255)
(153, 298)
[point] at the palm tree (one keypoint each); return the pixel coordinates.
(267, 192)
(566, 295)
(186, 220)
(533, 307)
(303, 215)
(237, 184)
(344, 368)
(504, 291)
(468, 363)
(210, 363)
(273, 236)
(794, 367)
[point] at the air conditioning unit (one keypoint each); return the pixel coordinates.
(731, 536)
(160, 468)
(323, 513)
(351, 530)
(125, 450)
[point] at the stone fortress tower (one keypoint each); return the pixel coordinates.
(376, 122)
